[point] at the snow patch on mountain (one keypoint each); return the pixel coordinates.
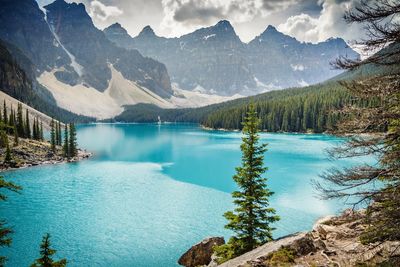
(303, 83)
(209, 36)
(297, 67)
(187, 99)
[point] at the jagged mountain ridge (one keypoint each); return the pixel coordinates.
(65, 41)
(215, 59)
(75, 29)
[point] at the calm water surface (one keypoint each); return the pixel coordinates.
(150, 192)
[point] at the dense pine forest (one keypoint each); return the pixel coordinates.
(312, 108)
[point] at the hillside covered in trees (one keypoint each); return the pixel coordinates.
(291, 110)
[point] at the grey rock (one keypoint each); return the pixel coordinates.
(201, 253)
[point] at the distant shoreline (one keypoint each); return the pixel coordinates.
(30, 153)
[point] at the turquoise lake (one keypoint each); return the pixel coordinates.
(151, 191)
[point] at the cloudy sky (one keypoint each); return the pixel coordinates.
(307, 20)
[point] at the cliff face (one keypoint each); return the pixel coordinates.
(91, 52)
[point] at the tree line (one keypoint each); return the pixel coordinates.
(69, 143)
(309, 109)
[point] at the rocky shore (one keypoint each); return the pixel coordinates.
(32, 153)
(334, 241)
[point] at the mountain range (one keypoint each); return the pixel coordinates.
(72, 66)
(215, 60)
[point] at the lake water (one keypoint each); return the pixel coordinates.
(150, 192)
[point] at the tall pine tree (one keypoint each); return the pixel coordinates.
(251, 219)
(5, 116)
(72, 140)
(59, 140)
(27, 125)
(66, 142)
(41, 131)
(53, 135)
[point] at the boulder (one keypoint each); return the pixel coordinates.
(201, 253)
(304, 245)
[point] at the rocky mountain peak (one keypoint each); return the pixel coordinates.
(147, 32)
(116, 28)
(224, 28)
(70, 11)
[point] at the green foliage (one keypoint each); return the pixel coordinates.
(308, 109)
(27, 125)
(252, 218)
(53, 135)
(7, 157)
(59, 136)
(5, 232)
(282, 257)
(72, 146)
(5, 118)
(66, 142)
(46, 253)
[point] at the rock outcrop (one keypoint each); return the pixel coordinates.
(201, 253)
(334, 241)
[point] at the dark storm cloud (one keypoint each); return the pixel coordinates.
(192, 11)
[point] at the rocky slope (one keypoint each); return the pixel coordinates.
(214, 59)
(30, 153)
(61, 42)
(334, 241)
(93, 52)
(18, 84)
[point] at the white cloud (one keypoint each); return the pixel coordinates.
(329, 23)
(187, 15)
(98, 10)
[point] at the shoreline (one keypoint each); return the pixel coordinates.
(82, 155)
(30, 153)
(307, 133)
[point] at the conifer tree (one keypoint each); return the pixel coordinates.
(16, 138)
(251, 219)
(5, 232)
(5, 116)
(52, 135)
(11, 121)
(57, 132)
(72, 140)
(46, 254)
(59, 140)
(376, 185)
(7, 157)
(66, 142)
(36, 129)
(41, 131)
(20, 122)
(27, 125)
